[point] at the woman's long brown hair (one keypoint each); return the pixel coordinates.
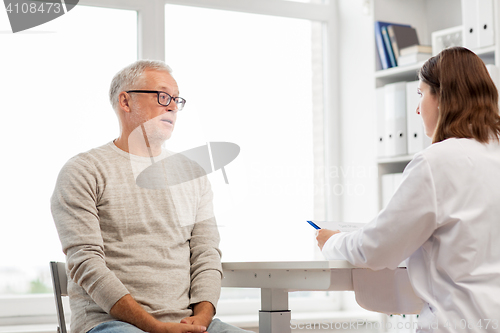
(467, 96)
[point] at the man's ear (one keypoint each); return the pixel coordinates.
(124, 101)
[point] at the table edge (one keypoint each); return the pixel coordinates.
(288, 265)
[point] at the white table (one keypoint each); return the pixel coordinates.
(383, 291)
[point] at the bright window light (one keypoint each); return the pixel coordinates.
(247, 79)
(54, 85)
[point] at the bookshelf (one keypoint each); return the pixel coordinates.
(396, 74)
(426, 16)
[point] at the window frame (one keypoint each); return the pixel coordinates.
(151, 45)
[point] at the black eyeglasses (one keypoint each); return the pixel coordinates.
(163, 98)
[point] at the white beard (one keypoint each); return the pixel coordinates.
(149, 133)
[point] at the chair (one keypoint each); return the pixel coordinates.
(60, 283)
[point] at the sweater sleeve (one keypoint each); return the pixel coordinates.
(74, 205)
(206, 268)
(407, 222)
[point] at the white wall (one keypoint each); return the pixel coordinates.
(358, 162)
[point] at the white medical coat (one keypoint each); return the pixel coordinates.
(445, 218)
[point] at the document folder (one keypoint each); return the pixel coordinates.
(380, 114)
(469, 23)
(485, 22)
(395, 116)
(417, 140)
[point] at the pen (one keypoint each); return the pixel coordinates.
(314, 225)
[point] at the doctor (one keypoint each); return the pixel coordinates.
(445, 216)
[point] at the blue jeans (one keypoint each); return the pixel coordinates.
(216, 326)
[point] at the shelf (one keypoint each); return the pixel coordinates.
(401, 73)
(397, 74)
(487, 54)
(485, 51)
(395, 159)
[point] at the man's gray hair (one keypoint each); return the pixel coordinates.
(127, 78)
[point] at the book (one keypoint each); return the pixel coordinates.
(401, 37)
(413, 58)
(416, 49)
(381, 48)
(387, 43)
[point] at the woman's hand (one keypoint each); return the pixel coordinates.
(324, 235)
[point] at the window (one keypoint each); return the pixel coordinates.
(248, 80)
(54, 85)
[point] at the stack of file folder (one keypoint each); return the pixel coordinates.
(400, 129)
(477, 21)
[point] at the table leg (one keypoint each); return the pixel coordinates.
(274, 316)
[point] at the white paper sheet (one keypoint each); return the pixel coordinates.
(342, 226)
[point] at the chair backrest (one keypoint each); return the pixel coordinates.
(60, 283)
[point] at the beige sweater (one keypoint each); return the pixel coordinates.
(159, 245)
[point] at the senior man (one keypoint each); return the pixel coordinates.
(139, 259)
